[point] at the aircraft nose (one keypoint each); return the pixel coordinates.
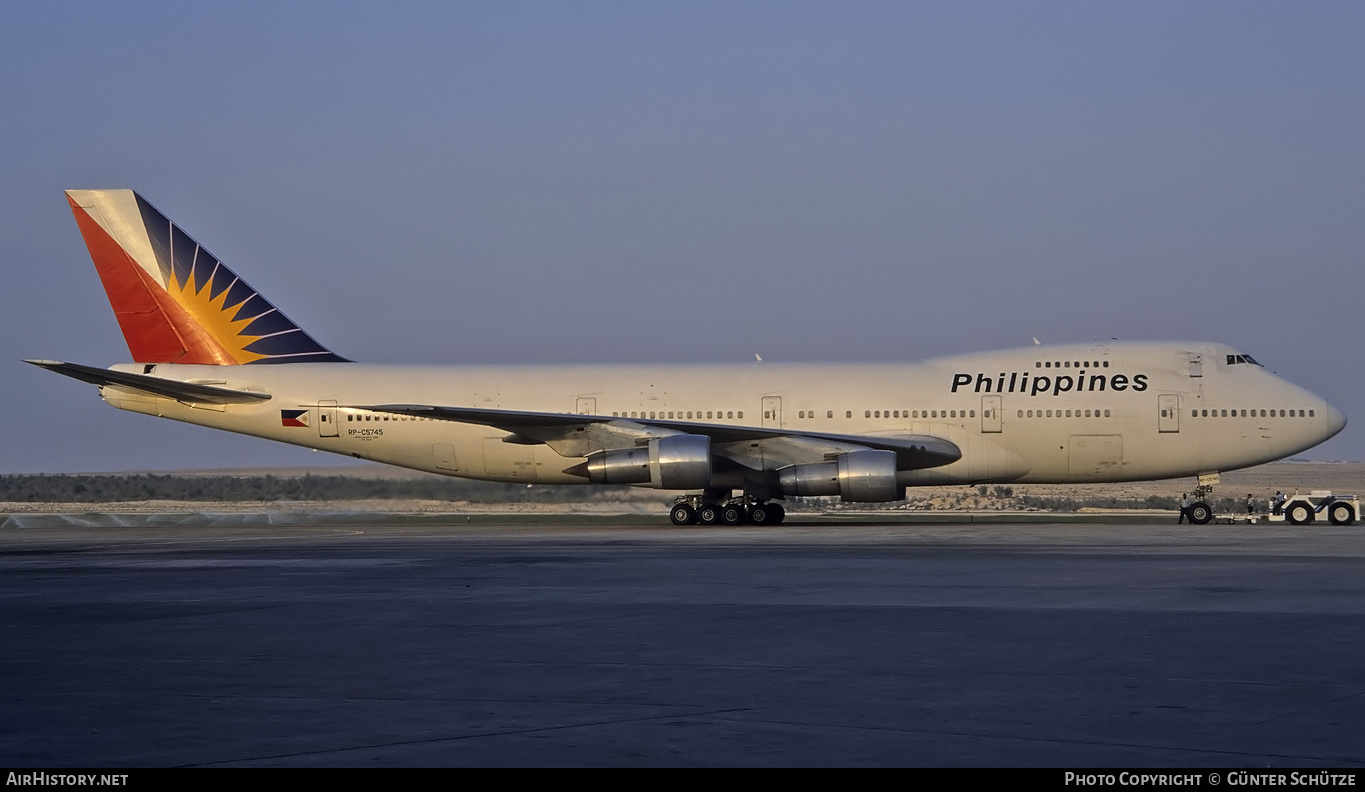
(1336, 419)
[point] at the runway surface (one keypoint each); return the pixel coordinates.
(592, 641)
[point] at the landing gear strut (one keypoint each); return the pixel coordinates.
(1200, 511)
(690, 509)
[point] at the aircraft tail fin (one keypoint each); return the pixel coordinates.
(174, 301)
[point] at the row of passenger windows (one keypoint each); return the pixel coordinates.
(803, 414)
(1253, 414)
(1071, 364)
(679, 414)
(901, 414)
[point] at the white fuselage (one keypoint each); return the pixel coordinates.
(1081, 413)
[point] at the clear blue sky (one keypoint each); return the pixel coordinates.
(586, 181)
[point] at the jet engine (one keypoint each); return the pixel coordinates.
(864, 476)
(673, 462)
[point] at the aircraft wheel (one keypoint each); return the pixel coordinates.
(708, 515)
(683, 514)
(1200, 513)
(759, 515)
(1299, 513)
(732, 515)
(1341, 514)
(776, 514)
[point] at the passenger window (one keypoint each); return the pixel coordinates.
(741, 413)
(1312, 414)
(828, 414)
(1106, 413)
(848, 413)
(1021, 414)
(729, 413)
(867, 413)
(973, 414)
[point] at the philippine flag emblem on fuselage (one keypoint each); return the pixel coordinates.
(293, 417)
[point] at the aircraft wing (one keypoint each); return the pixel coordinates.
(579, 435)
(158, 386)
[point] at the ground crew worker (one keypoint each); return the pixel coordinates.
(1184, 509)
(1251, 504)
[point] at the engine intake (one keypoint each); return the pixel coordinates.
(858, 476)
(674, 462)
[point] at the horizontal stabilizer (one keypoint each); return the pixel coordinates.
(158, 386)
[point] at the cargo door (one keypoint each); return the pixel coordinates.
(444, 455)
(1096, 456)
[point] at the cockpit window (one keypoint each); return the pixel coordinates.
(1235, 359)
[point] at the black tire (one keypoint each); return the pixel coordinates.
(708, 515)
(759, 515)
(1201, 513)
(683, 514)
(776, 514)
(1341, 514)
(732, 515)
(1298, 513)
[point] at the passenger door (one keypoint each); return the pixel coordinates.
(991, 420)
(1168, 412)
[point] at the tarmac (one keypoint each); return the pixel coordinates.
(486, 640)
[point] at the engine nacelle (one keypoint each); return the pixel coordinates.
(673, 462)
(858, 476)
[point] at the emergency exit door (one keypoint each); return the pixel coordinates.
(990, 414)
(772, 411)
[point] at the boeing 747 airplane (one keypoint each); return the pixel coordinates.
(734, 439)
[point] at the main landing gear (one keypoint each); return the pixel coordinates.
(690, 509)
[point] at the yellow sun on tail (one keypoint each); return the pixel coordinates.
(217, 319)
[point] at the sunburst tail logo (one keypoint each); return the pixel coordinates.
(174, 300)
